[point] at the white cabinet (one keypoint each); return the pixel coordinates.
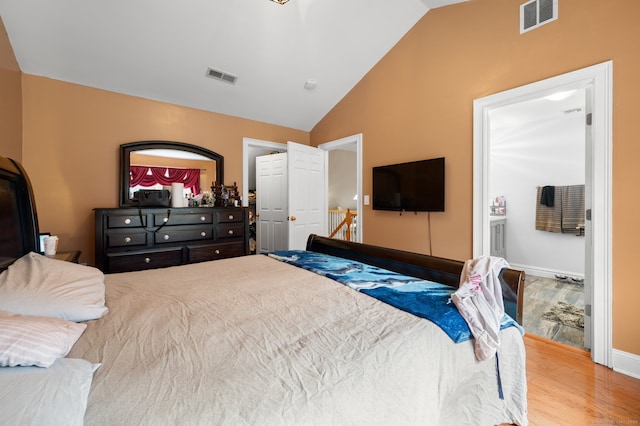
(498, 236)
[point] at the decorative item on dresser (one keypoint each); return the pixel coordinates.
(225, 195)
(135, 239)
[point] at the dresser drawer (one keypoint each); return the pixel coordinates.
(214, 251)
(168, 235)
(130, 239)
(126, 239)
(194, 218)
(222, 232)
(229, 215)
(136, 261)
(124, 221)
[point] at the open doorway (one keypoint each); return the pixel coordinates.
(344, 176)
(538, 146)
(252, 148)
(597, 82)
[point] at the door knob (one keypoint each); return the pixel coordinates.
(257, 214)
(293, 218)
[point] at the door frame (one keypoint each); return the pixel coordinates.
(600, 80)
(328, 146)
(340, 144)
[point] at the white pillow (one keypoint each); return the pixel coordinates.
(38, 285)
(29, 340)
(46, 396)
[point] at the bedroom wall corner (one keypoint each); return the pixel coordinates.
(11, 100)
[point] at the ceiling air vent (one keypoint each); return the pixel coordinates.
(221, 75)
(535, 13)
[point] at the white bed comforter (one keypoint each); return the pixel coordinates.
(253, 341)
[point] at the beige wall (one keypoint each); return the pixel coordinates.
(417, 103)
(10, 100)
(71, 140)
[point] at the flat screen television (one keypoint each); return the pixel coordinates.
(417, 186)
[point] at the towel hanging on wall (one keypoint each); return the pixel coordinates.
(572, 208)
(566, 214)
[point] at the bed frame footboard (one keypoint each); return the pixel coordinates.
(438, 269)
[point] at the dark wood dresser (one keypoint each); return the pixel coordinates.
(130, 239)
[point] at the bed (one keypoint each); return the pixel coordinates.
(253, 340)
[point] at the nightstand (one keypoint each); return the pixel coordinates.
(69, 256)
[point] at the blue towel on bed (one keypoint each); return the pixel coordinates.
(425, 299)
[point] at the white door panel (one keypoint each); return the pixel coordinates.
(307, 194)
(271, 202)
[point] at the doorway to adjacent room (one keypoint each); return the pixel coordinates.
(597, 83)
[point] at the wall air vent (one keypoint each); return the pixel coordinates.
(535, 13)
(221, 75)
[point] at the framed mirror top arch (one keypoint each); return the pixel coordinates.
(167, 154)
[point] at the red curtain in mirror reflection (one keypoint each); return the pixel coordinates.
(149, 177)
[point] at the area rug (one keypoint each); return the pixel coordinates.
(566, 314)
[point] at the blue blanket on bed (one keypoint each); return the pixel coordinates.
(422, 298)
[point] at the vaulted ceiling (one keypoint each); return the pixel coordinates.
(162, 49)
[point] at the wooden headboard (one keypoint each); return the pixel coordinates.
(437, 269)
(18, 217)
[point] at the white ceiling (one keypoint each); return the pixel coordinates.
(161, 49)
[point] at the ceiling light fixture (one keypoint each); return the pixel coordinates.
(280, 1)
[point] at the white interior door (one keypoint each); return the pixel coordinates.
(307, 193)
(271, 203)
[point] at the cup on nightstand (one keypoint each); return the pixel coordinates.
(50, 245)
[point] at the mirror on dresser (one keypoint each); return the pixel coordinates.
(166, 154)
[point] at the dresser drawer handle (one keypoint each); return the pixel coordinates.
(230, 231)
(203, 234)
(127, 239)
(147, 260)
(217, 251)
(127, 221)
(230, 217)
(166, 237)
(202, 218)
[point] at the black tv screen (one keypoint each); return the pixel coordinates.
(417, 186)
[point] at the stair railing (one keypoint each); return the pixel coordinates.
(346, 229)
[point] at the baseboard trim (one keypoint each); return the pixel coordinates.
(626, 363)
(544, 272)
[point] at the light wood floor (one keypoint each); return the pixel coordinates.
(566, 388)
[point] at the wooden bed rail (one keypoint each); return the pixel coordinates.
(432, 268)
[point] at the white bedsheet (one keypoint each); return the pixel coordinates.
(253, 341)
